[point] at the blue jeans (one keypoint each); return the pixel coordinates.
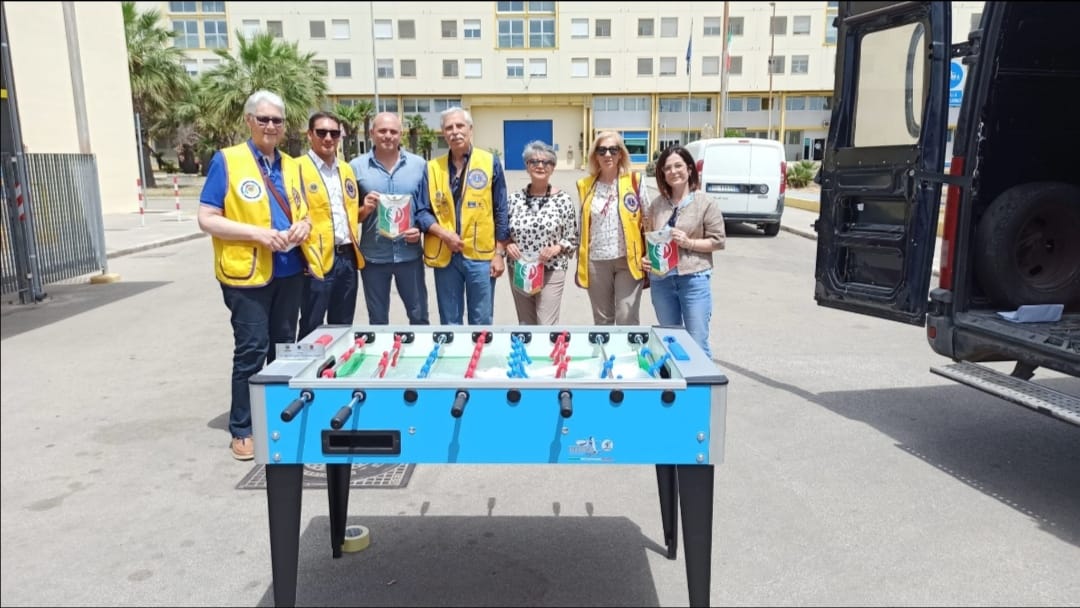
(332, 298)
(261, 317)
(462, 282)
(411, 286)
(685, 300)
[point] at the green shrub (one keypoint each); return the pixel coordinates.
(801, 173)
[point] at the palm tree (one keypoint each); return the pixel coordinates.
(158, 78)
(428, 137)
(366, 110)
(350, 120)
(264, 62)
(415, 124)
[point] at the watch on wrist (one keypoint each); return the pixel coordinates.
(501, 252)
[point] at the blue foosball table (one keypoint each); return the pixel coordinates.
(587, 395)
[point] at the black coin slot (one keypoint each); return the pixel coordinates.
(361, 442)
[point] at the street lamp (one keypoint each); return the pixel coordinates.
(772, 53)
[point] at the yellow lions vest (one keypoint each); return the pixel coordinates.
(322, 221)
(247, 263)
(477, 209)
(629, 206)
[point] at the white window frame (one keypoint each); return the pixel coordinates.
(471, 29)
(800, 25)
(579, 28)
(668, 66)
(384, 29)
(597, 72)
(669, 27)
(515, 68)
(340, 29)
(384, 68)
(473, 68)
(538, 67)
(579, 67)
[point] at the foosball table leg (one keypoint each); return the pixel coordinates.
(696, 503)
(337, 492)
(668, 483)
(284, 494)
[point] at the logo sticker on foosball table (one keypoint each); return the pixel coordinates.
(586, 450)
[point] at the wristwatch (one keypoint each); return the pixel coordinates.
(500, 252)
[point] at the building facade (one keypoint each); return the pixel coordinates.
(70, 79)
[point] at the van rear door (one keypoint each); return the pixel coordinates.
(882, 170)
(725, 172)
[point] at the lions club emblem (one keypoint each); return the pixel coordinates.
(313, 187)
(350, 188)
(476, 179)
(250, 190)
(631, 202)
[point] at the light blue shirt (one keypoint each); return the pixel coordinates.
(408, 176)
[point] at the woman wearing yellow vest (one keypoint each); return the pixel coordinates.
(254, 209)
(610, 246)
(334, 199)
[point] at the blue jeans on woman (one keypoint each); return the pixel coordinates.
(685, 300)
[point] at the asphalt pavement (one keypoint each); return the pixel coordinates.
(852, 476)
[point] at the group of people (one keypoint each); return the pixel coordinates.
(294, 238)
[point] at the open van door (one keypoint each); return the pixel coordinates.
(884, 157)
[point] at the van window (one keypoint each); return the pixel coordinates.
(891, 88)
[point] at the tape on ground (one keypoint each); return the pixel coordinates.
(357, 538)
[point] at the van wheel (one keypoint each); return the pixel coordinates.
(771, 229)
(1026, 246)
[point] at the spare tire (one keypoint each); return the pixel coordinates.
(1027, 246)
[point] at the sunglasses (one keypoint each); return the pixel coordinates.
(605, 150)
(333, 133)
(265, 120)
(536, 162)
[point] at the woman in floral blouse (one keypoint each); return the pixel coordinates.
(543, 229)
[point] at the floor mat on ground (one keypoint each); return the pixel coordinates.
(377, 476)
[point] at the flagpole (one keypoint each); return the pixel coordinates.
(724, 75)
(689, 78)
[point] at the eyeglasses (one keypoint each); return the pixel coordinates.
(606, 150)
(536, 162)
(333, 133)
(265, 120)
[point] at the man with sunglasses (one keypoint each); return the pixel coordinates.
(389, 169)
(254, 209)
(333, 197)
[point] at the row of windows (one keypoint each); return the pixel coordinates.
(579, 67)
(513, 32)
(704, 104)
(409, 106)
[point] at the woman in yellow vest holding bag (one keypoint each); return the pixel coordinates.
(610, 246)
(254, 209)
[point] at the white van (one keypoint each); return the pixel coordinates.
(747, 177)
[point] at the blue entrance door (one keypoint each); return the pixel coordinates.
(517, 133)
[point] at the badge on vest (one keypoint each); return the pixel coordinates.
(250, 190)
(350, 188)
(476, 179)
(313, 187)
(631, 202)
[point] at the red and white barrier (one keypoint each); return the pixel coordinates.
(176, 196)
(20, 204)
(142, 202)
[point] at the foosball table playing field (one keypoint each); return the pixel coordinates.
(588, 395)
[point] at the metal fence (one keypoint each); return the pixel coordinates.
(55, 232)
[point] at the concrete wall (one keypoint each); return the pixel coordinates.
(43, 84)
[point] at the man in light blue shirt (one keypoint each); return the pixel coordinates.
(388, 169)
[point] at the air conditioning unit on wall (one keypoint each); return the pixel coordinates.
(825, 123)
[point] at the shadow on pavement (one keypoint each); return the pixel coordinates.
(66, 301)
(421, 560)
(1010, 453)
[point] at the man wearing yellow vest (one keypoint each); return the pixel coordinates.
(254, 209)
(466, 224)
(334, 200)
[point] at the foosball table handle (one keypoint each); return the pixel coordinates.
(566, 404)
(460, 400)
(343, 414)
(297, 404)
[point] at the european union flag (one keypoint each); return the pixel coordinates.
(689, 46)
